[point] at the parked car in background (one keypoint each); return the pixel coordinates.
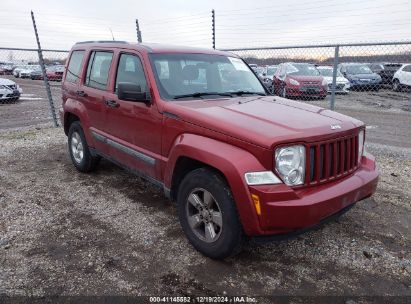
(402, 78)
(6, 69)
(385, 70)
(268, 78)
(55, 72)
(36, 74)
(253, 66)
(26, 72)
(9, 90)
(17, 69)
(342, 84)
(299, 80)
(360, 76)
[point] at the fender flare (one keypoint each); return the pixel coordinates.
(233, 162)
(72, 106)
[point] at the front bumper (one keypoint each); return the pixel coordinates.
(8, 94)
(301, 91)
(284, 210)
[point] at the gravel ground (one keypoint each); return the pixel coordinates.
(110, 233)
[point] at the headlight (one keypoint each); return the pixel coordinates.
(294, 82)
(290, 164)
(261, 178)
(325, 83)
(360, 145)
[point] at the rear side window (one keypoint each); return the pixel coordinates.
(73, 70)
(131, 70)
(98, 69)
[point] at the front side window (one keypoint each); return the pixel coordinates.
(73, 70)
(98, 69)
(184, 74)
(131, 70)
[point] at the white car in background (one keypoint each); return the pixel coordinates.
(27, 70)
(342, 84)
(9, 90)
(402, 78)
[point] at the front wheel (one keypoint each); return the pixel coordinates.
(79, 151)
(208, 214)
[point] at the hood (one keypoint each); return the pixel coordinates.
(306, 78)
(4, 81)
(263, 120)
(363, 76)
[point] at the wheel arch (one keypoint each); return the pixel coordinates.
(192, 151)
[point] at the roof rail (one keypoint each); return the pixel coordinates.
(101, 41)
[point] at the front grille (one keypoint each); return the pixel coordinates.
(331, 159)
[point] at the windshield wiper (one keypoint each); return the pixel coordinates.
(240, 93)
(200, 94)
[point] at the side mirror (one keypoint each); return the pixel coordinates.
(132, 92)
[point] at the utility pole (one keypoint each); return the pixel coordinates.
(139, 40)
(43, 70)
(213, 26)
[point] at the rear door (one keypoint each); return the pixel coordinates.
(134, 128)
(92, 91)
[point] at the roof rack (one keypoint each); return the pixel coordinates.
(101, 41)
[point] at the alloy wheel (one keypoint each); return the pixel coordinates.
(204, 215)
(77, 148)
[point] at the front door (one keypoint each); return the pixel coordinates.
(134, 127)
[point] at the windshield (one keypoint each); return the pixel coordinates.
(271, 71)
(326, 72)
(185, 74)
(302, 70)
(358, 69)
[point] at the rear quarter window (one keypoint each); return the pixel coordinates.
(73, 70)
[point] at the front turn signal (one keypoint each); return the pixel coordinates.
(257, 205)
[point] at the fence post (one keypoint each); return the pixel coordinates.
(139, 40)
(335, 65)
(213, 27)
(43, 70)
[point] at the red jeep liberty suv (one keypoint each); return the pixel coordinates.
(239, 162)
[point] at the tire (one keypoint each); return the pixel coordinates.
(227, 237)
(79, 151)
(396, 85)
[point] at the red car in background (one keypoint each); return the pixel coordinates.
(54, 73)
(299, 80)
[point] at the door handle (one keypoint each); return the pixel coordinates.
(81, 93)
(112, 104)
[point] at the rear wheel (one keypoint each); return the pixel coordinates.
(396, 85)
(208, 214)
(79, 151)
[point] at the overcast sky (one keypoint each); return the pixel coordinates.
(239, 23)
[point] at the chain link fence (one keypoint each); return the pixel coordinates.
(337, 74)
(23, 96)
